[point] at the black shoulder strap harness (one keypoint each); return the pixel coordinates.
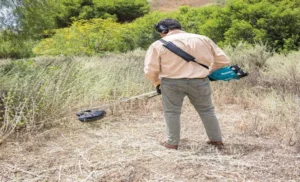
(179, 52)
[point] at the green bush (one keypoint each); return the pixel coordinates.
(15, 46)
(274, 23)
(37, 16)
(214, 25)
(242, 30)
(100, 35)
(247, 21)
(85, 38)
(271, 22)
(121, 10)
(125, 10)
(38, 20)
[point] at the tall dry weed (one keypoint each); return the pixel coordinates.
(36, 92)
(269, 95)
(282, 72)
(46, 89)
(249, 58)
(50, 88)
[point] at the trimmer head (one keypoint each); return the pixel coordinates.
(95, 113)
(90, 115)
(241, 73)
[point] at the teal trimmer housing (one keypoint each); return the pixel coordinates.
(227, 73)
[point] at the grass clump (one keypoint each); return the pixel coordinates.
(282, 72)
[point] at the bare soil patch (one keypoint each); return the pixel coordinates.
(169, 5)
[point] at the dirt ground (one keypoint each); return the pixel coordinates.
(170, 5)
(124, 146)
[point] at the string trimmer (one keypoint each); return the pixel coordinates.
(96, 113)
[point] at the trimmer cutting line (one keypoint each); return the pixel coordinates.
(96, 113)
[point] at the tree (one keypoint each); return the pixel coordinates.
(36, 16)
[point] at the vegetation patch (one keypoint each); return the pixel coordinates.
(100, 26)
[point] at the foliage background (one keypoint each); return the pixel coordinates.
(40, 19)
(249, 21)
(88, 27)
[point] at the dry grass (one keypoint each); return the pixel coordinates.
(282, 72)
(260, 126)
(265, 113)
(36, 92)
(169, 5)
(124, 147)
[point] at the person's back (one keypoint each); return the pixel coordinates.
(179, 78)
(201, 47)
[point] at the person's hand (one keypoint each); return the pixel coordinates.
(158, 89)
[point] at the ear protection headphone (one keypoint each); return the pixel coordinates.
(161, 28)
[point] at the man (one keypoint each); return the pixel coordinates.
(177, 78)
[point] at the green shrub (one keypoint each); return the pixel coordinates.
(273, 23)
(270, 22)
(215, 25)
(100, 35)
(125, 10)
(37, 16)
(247, 21)
(15, 46)
(84, 38)
(243, 31)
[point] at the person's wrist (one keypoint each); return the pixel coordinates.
(158, 90)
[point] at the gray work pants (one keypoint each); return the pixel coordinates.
(199, 93)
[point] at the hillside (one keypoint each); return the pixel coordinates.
(259, 118)
(41, 138)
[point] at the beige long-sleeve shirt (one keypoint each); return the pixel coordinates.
(161, 62)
